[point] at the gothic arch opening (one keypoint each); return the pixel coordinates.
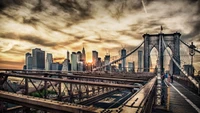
(167, 62)
(153, 59)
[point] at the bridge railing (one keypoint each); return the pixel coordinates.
(165, 95)
(186, 82)
(142, 101)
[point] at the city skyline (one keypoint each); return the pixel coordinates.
(105, 26)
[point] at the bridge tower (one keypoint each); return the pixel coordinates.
(152, 40)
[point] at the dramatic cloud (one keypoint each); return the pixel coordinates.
(56, 26)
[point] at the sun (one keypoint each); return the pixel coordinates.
(89, 61)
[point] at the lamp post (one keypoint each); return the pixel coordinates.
(192, 53)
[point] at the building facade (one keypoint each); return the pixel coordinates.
(107, 61)
(28, 61)
(38, 59)
(140, 61)
(49, 61)
(123, 54)
(94, 58)
(74, 61)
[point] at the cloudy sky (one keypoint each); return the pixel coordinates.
(103, 25)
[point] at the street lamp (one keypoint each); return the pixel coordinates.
(192, 52)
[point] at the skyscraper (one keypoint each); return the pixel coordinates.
(83, 55)
(28, 61)
(55, 66)
(130, 67)
(139, 61)
(38, 59)
(83, 59)
(99, 62)
(107, 61)
(123, 54)
(68, 55)
(49, 61)
(94, 58)
(79, 55)
(66, 62)
(73, 61)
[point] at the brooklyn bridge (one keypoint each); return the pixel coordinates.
(143, 91)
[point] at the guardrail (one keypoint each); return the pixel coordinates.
(166, 95)
(142, 101)
(186, 82)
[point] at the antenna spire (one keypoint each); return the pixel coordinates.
(161, 28)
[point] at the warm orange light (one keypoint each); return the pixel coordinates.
(89, 61)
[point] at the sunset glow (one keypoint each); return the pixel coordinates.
(102, 25)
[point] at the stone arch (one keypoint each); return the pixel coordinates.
(152, 40)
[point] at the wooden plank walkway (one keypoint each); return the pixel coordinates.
(182, 100)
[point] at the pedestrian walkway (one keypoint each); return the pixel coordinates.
(182, 100)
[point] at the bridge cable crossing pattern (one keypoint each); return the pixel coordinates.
(189, 46)
(117, 60)
(184, 72)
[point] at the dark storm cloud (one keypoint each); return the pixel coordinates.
(77, 10)
(40, 41)
(7, 15)
(6, 3)
(39, 7)
(29, 38)
(195, 33)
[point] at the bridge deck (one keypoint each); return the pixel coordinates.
(182, 100)
(44, 104)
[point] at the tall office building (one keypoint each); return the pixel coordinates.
(79, 55)
(139, 61)
(123, 54)
(28, 61)
(83, 55)
(49, 61)
(120, 67)
(107, 61)
(38, 59)
(94, 58)
(130, 67)
(55, 66)
(65, 64)
(73, 61)
(80, 66)
(133, 67)
(68, 55)
(84, 59)
(99, 62)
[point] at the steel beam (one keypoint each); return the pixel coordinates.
(44, 104)
(71, 81)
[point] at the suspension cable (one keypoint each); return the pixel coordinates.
(189, 46)
(117, 60)
(184, 72)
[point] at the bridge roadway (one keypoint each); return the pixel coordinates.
(181, 100)
(71, 81)
(44, 104)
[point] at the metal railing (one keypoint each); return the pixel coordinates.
(186, 82)
(166, 95)
(143, 100)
